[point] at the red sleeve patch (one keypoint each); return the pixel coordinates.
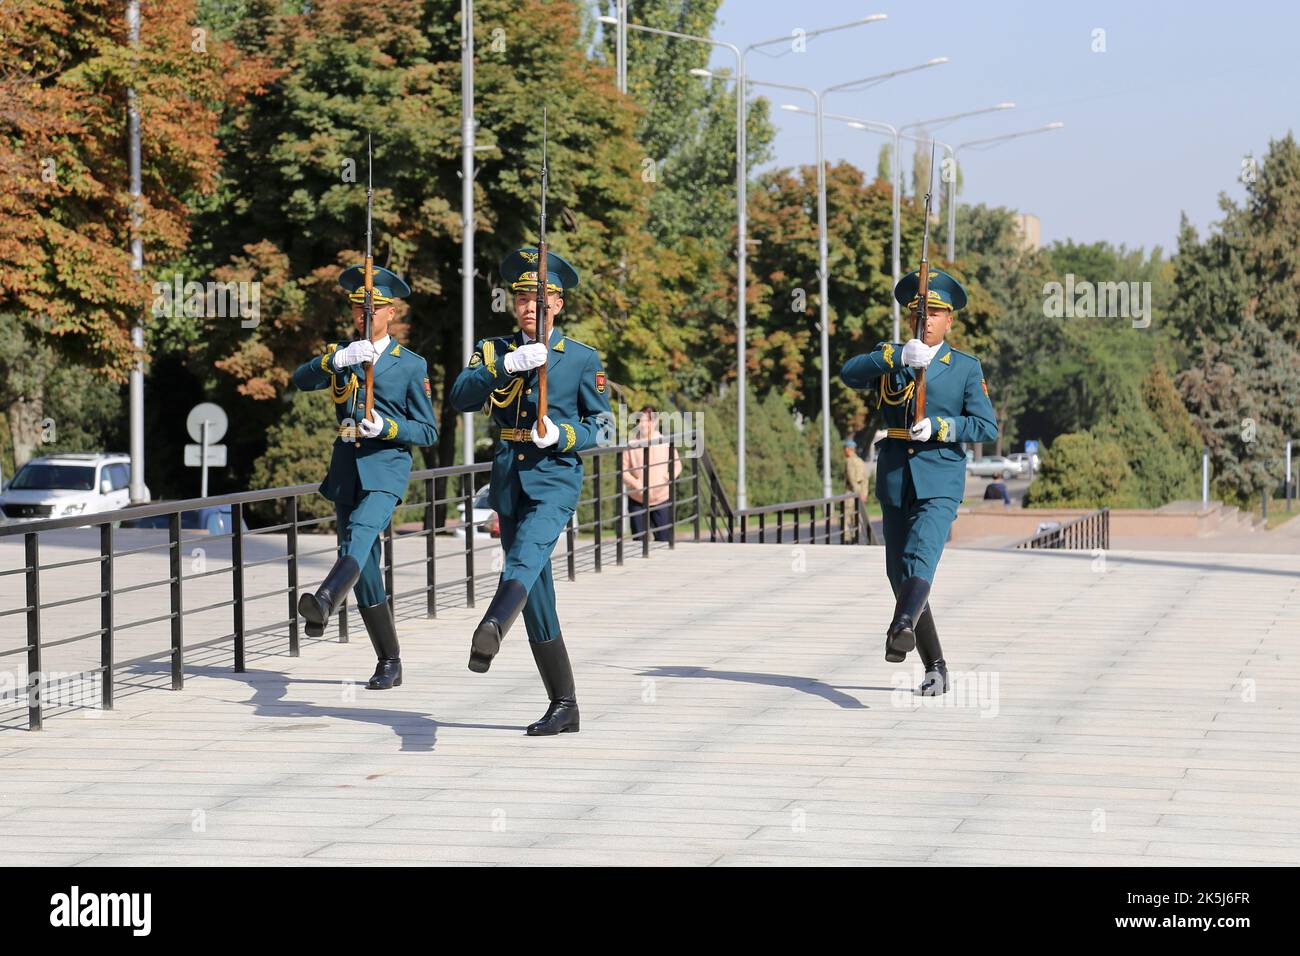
(600, 382)
(985, 385)
(428, 392)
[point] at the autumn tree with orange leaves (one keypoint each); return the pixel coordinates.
(67, 291)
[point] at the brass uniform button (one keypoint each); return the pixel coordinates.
(911, 451)
(521, 457)
(528, 391)
(523, 414)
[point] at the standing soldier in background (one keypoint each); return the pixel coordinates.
(855, 471)
(921, 470)
(535, 478)
(371, 461)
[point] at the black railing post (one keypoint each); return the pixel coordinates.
(672, 491)
(713, 513)
(646, 520)
(35, 676)
(343, 621)
(292, 569)
(699, 503)
(175, 573)
(595, 481)
(237, 579)
(619, 504)
(762, 528)
(106, 612)
(467, 488)
(744, 528)
(430, 550)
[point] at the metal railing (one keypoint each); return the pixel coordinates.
(597, 527)
(601, 514)
(1085, 532)
(839, 519)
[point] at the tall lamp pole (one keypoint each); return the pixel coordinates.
(741, 217)
(897, 134)
(467, 209)
(952, 183)
(137, 267)
(823, 266)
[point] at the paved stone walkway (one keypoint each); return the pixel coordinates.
(1139, 708)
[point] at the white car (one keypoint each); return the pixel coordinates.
(993, 466)
(485, 519)
(1023, 460)
(60, 486)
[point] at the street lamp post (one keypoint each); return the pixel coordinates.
(137, 267)
(467, 209)
(896, 132)
(952, 183)
(741, 217)
(823, 266)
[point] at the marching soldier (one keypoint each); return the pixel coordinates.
(371, 461)
(921, 469)
(535, 478)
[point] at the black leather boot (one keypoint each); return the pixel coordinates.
(935, 681)
(318, 608)
(501, 613)
(901, 636)
(561, 716)
(383, 637)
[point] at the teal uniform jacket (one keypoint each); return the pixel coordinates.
(957, 403)
(402, 401)
(577, 402)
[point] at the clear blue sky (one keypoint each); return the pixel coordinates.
(1156, 125)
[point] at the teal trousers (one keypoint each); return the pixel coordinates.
(362, 517)
(528, 535)
(916, 530)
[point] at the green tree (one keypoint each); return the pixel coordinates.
(1081, 471)
(1238, 321)
(297, 454)
(778, 466)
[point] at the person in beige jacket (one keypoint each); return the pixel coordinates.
(648, 490)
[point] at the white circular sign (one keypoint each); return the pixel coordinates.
(216, 419)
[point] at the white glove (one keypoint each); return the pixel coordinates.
(921, 430)
(355, 353)
(917, 354)
(370, 427)
(552, 433)
(525, 357)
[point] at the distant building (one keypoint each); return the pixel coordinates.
(1028, 226)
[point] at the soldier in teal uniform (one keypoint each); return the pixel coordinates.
(371, 461)
(921, 469)
(535, 478)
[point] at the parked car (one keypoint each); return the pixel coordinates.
(994, 466)
(1023, 460)
(58, 486)
(485, 519)
(214, 520)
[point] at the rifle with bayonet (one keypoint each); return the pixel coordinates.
(923, 295)
(369, 274)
